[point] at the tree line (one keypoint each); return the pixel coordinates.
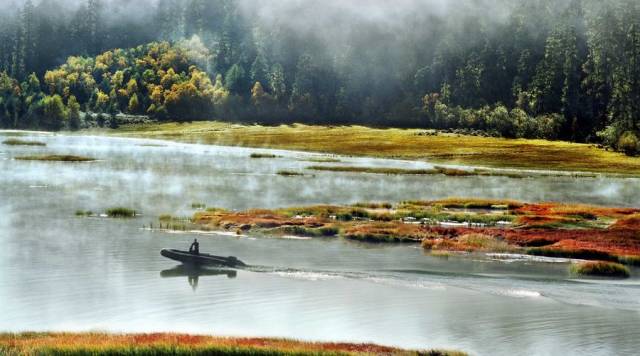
(555, 69)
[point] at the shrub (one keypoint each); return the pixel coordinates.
(628, 143)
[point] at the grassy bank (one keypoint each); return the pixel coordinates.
(400, 144)
(181, 344)
(455, 224)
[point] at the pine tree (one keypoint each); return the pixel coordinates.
(277, 82)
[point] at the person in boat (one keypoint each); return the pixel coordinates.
(195, 247)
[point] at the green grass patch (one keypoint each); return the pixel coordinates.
(84, 213)
(600, 269)
(121, 212)
(17, 142)
(198, 205)
(56, 158)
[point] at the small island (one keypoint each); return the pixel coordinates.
(56, 158)
(17, 142)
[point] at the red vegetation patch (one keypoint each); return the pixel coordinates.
(630, 222)
(584, 211)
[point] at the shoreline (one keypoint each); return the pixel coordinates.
(99, 343)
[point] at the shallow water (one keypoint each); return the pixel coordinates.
(62, 272)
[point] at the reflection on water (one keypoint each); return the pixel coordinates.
(193, 273)
(62, 272)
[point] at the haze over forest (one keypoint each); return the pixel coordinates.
(555, 69)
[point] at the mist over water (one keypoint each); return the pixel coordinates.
(62, 272)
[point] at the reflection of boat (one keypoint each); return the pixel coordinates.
(193, 273)
(201, 259)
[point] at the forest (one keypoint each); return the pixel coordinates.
(552, 69)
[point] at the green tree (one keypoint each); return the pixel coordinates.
(55, 113)
(73, 113)
(134, 105)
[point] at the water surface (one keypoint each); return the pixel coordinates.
(62, 272)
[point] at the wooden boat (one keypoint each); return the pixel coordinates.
(201, 259)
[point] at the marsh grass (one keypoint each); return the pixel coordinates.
(311, 232)
(584, 254)
(398, 144)
(198, 205)
(373, 205)
(469, 203)
(322, 160)
(374, 170)
(262, 155)
(180, 344)
(475, 242)
(451, 172)
(600, 269)
(121, 212)
(56, 158)
(84, 213)
(17, 142)
(629, 260)
(289, 173)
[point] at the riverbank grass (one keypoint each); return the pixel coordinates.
(406, 144)
(98, 344)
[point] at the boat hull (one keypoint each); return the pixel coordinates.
(202, 259)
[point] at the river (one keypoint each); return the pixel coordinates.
(65, 273)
